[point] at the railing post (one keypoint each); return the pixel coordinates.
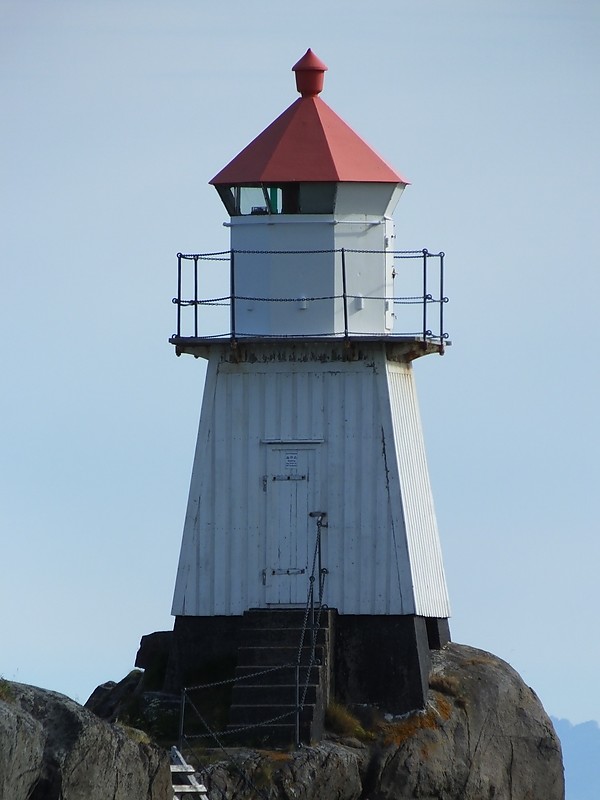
(312, 610)
(320, 565)
(425, 254)
(179, 294)
(196, 296)
(298, 743)
(345, 294)
(232, 292)
(181, 720)
(442, 298)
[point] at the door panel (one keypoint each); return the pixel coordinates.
(288, 487)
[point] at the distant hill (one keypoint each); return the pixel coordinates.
(581, 755)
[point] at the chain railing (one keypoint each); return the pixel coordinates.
(310, 625)
(312, 615)
(419, 274)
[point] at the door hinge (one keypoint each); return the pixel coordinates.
(290, 571)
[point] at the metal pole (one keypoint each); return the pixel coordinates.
(319, 522)
(178, 294)
(232, 292)
(344, 293)
(442, 298)
(298, 703)
(181, 720)
(196, 296)
(424, 294)
(312, 611)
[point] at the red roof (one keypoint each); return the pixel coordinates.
(307, 143)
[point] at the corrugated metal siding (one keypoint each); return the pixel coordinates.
(349, 414)
(425, 556)
(361, 556)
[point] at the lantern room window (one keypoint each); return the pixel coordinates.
(284, 198)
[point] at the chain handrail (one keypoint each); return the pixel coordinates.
(214, 735)
(310, 620)
(424, 300)
(310, 612)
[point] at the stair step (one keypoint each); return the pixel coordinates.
(282, 618)
(246, 694)
(246, 676)
(252, 715)
(289, 637)
(271, 656)
(265, 687)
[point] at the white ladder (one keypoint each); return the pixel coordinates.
(184, 772)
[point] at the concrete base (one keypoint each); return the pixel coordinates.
(203, 649)
(438, 632)
(375, 660)
(382, 661)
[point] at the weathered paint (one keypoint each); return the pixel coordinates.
(290, 431)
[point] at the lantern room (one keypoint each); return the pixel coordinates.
(312, 235)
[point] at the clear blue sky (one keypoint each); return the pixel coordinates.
(115, 116)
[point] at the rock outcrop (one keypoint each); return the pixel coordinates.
(483, 735)
(51, 748)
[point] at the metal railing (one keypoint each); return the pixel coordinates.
(420, 276)
(311, 622)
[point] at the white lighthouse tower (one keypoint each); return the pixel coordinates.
(310, 416)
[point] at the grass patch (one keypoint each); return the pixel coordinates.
(7, 693)
(135, 734)
(399, 732)
(449, 686)
(445, 684)
(482, 659)
(431, 718)
(276, 755)
(340, 720)
(368, 723)
(444, 708)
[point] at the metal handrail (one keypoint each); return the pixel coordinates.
(425, 299)
(312, 619)
(317, 563)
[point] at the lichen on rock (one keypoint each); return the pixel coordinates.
(483, 735)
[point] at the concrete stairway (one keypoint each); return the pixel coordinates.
(270, 646)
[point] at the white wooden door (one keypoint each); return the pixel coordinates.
(289, 490)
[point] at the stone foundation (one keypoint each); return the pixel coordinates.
(380, 660)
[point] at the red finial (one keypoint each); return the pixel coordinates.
(310, 72)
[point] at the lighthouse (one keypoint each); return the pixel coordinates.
(309, 485)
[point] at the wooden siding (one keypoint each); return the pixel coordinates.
(314, 435)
